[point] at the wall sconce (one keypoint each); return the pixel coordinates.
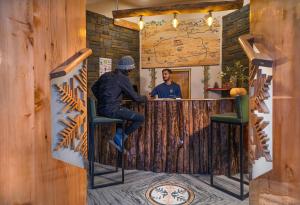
(141, 23)
(175, 21)
(209, 19)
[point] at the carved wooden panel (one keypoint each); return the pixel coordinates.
(260, 117)
(261, 105)
(69, 118)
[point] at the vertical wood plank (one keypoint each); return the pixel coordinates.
(164, 136)
(202, 142)
(206, 124)
(140, 142)
(157, 138)
(180, 137)
(152, 131)
(186, 135)
(197, 148)
(192, 134)
(148, 136)
(17, 102)
(29, 33)
(170, 137)
(174, 136)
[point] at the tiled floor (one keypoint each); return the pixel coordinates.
(138, 182)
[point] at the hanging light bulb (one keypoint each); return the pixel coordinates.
(209, 19)
(175, 21)
(141, 23)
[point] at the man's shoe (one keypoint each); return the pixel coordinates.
(117, 142)
(118, 137)
(119, 148)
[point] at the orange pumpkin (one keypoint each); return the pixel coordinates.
(234, 92)
(237, 91)
(243, 91)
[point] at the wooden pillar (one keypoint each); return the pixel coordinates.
(278, 23)
(36, 37)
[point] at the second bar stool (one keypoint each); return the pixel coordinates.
(98, 120)
(239, 118)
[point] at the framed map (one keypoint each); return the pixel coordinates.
(193, 43)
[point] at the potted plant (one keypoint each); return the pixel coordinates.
(235, 77)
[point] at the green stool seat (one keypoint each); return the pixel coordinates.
(227, 117)
(103, 120)
(240, 116)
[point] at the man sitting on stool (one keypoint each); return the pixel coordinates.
(109, 90)
(167, 89)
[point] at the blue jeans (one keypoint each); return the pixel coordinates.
(135, 118)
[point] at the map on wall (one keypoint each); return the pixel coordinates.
(193, 43)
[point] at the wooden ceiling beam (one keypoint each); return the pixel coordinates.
(126, 24)
(199, 7)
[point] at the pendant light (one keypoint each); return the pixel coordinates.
(141, 23)
(209, 19)
(175, 21)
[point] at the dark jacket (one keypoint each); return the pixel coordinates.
(109, 90)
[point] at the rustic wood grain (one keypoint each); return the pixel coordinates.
(186, 8)
(157, 147)
(36, 37)
(186, 109)
(282, 184)
(126, 24)
(67, 66)
(141, 145)
(189, 166)
(195, 147)
(147, 141)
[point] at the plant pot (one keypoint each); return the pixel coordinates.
(226, 85)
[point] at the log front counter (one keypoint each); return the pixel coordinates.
(174, 137)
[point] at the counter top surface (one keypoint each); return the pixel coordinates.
(192, 99)
(208, 99)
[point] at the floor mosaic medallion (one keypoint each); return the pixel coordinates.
(169, 194)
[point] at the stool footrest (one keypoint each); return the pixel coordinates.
(106, 172)
(238, 180)
(231, 193)
(107, 185)
(116, 146)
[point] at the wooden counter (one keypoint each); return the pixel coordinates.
(174, 137)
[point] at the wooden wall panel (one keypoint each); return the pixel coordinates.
(234, 25)
(16, 103)
(36, 37)
(278, 22)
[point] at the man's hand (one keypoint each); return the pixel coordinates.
(149, 97)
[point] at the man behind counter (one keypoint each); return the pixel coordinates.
(167, 89)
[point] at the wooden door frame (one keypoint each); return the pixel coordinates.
(184, 70)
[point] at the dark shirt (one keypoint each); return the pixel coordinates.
(167, 91)
(109, 90)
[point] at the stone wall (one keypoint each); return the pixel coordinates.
(110, 41)
(235, 24)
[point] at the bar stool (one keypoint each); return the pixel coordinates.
(98, 120)
(240, 118)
